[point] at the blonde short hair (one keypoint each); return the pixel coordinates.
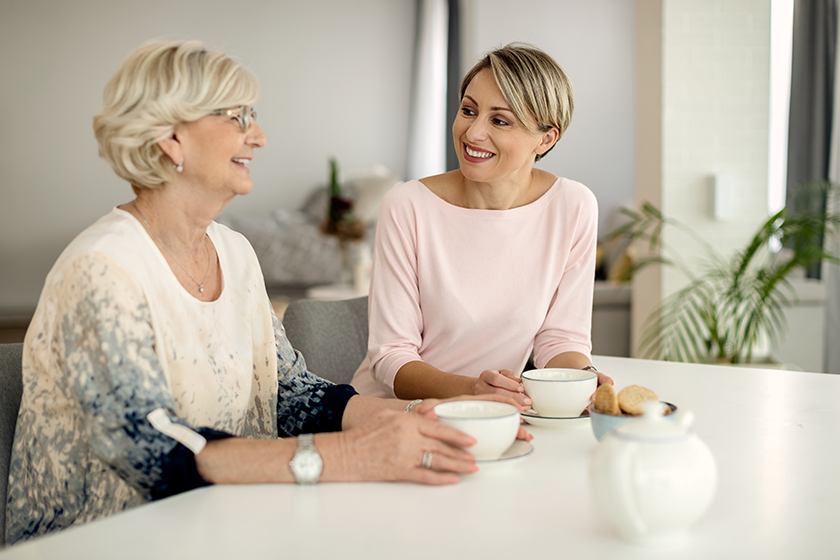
(160, 84)
(532, 83)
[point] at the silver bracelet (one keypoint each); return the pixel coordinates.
(411, 405)
(589, 368)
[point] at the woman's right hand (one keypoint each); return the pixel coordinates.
(391, 447)
(502, 382)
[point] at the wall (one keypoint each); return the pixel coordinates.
(335, 78)
(713, 117)
(716, 116)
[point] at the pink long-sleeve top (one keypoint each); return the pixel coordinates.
(467, 290)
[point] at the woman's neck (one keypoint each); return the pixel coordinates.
(500, 195)
(179, 229)
(175, 218)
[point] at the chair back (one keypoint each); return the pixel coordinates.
(331, 335)
(11, 386)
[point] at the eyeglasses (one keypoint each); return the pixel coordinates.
(243, 114)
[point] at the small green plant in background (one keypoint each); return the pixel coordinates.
(340, 220)
(729, 305)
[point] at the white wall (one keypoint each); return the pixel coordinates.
(335, 77)
(716, 117)
(594, 42)
(712, 97)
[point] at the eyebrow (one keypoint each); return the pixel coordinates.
(491, 108)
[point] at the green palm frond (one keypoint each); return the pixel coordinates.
(730, 305)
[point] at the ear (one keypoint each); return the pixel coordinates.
(171, 146)
(548, 140)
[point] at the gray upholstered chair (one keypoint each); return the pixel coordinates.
(10, 390)
(331, 335)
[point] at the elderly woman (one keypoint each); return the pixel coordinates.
(154, 363)
(476, 268)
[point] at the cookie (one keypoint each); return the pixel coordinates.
(606, 402)
(631, 398)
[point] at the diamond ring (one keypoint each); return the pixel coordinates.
(427, 460)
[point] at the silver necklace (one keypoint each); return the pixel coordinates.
(162, 244)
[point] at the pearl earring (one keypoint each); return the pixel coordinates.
(180, 166)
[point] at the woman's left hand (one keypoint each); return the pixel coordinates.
(603, 379)
(426, 408)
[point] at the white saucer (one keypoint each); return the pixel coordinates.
(531, 417)
(516, 452)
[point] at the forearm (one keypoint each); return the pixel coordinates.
(419, 380)
(250, 461)
(573, 360)
(389, 446)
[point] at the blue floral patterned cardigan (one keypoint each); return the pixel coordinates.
(114, 338)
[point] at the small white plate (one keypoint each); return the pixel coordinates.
(531, 417)
(516, 452)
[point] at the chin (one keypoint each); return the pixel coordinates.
(473, 174)
(244, 189)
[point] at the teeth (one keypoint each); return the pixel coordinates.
(473, 153)
(243, 161)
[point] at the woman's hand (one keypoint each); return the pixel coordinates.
(502, 382)
(603, 379)
(427, 406)
(392, 446)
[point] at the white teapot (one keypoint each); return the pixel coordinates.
(653, 478)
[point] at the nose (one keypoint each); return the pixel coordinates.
(256, 137)
(477, 130)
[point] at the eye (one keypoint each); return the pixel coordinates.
(467, 112)
(500, 122)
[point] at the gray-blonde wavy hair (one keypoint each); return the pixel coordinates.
(160, 84)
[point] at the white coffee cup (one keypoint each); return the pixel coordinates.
(559, 392)
(494, 425)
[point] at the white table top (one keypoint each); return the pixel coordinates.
(774, 435)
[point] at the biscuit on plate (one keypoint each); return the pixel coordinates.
(606, 401)
(630, 399)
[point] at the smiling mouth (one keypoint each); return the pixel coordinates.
(477, 153)
(242, 161)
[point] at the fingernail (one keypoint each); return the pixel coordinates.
(526, 400)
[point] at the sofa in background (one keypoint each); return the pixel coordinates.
(292, 250)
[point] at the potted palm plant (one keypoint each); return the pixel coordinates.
(730, 305)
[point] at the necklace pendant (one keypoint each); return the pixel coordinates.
(201, 288)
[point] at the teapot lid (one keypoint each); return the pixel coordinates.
(654, 426)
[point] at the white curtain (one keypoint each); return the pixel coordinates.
(831, 272)
(427, 127)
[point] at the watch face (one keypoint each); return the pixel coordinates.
(306, 466)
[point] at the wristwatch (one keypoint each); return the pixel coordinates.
(306, 465)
